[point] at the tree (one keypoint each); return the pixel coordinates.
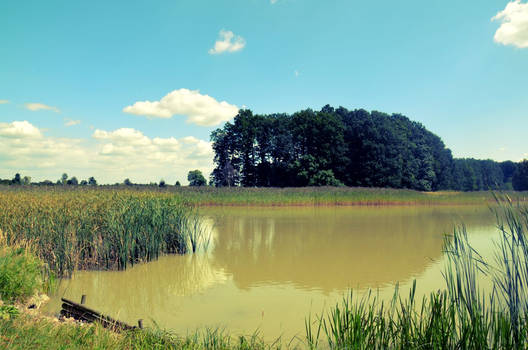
(17, 179)
(177, 184)
(520, 177)
(162, 183)
(26, 180)
(127, 182)
(64, 179)
(508, 169)
(92, 181)
(196, 178)
(73, 181)
(338, 146)
(84, 183)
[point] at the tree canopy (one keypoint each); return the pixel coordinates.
(334, 147)
(196, 178)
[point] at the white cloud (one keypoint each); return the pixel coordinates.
(19, 129)
(23, 146)
(33, 106)
(227, 42)
(109, 156)
(200, 109)
(3, 102)
(71, 122)
(129, 151)
(514, 24)
(125, 136)
(273, 1)
(296, 73)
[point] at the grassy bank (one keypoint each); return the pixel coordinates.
(26, 332)
(97, 229)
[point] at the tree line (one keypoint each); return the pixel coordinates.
(195, 178)
(334, 147)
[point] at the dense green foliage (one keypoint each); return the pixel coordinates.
(520, 176)
(21, 273)
(196, 178)
(332, 147)
(89, 228)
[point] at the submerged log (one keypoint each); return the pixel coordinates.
(82, 313)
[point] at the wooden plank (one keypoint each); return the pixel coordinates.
(81, 312)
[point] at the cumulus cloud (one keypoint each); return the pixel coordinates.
(71, 122)
(129, 142)
(227, 42)
(200, 109)
(129, 151)
(514, 24)
(33, 106)
(110, 156)
(3, 102)
(24, 146)
(19, 129)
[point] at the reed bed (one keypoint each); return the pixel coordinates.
(464, 315)
(329, 196)
(93, 229)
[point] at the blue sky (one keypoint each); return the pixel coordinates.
(70, 69)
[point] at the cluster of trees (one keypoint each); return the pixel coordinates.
(195, 178)
(355, 148)
(64, 180)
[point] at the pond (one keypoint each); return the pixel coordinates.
(267, 269)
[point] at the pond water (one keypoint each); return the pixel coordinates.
(267, 269)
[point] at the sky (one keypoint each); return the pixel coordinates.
(133, 89)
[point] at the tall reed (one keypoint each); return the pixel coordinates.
(464, 315)
(92, 229)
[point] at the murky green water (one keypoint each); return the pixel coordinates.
(268, 268)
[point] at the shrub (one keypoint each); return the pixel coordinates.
(20, 273)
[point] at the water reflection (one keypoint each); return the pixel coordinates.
(145, 289)
(333, 248)
(267, 268)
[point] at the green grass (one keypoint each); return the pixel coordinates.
(28, 333)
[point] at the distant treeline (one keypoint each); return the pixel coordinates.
(353, 148)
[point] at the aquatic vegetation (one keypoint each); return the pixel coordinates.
(462, 316)
(96, 229)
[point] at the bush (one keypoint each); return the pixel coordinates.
(20, 273)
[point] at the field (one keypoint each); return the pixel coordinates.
(292, 196)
